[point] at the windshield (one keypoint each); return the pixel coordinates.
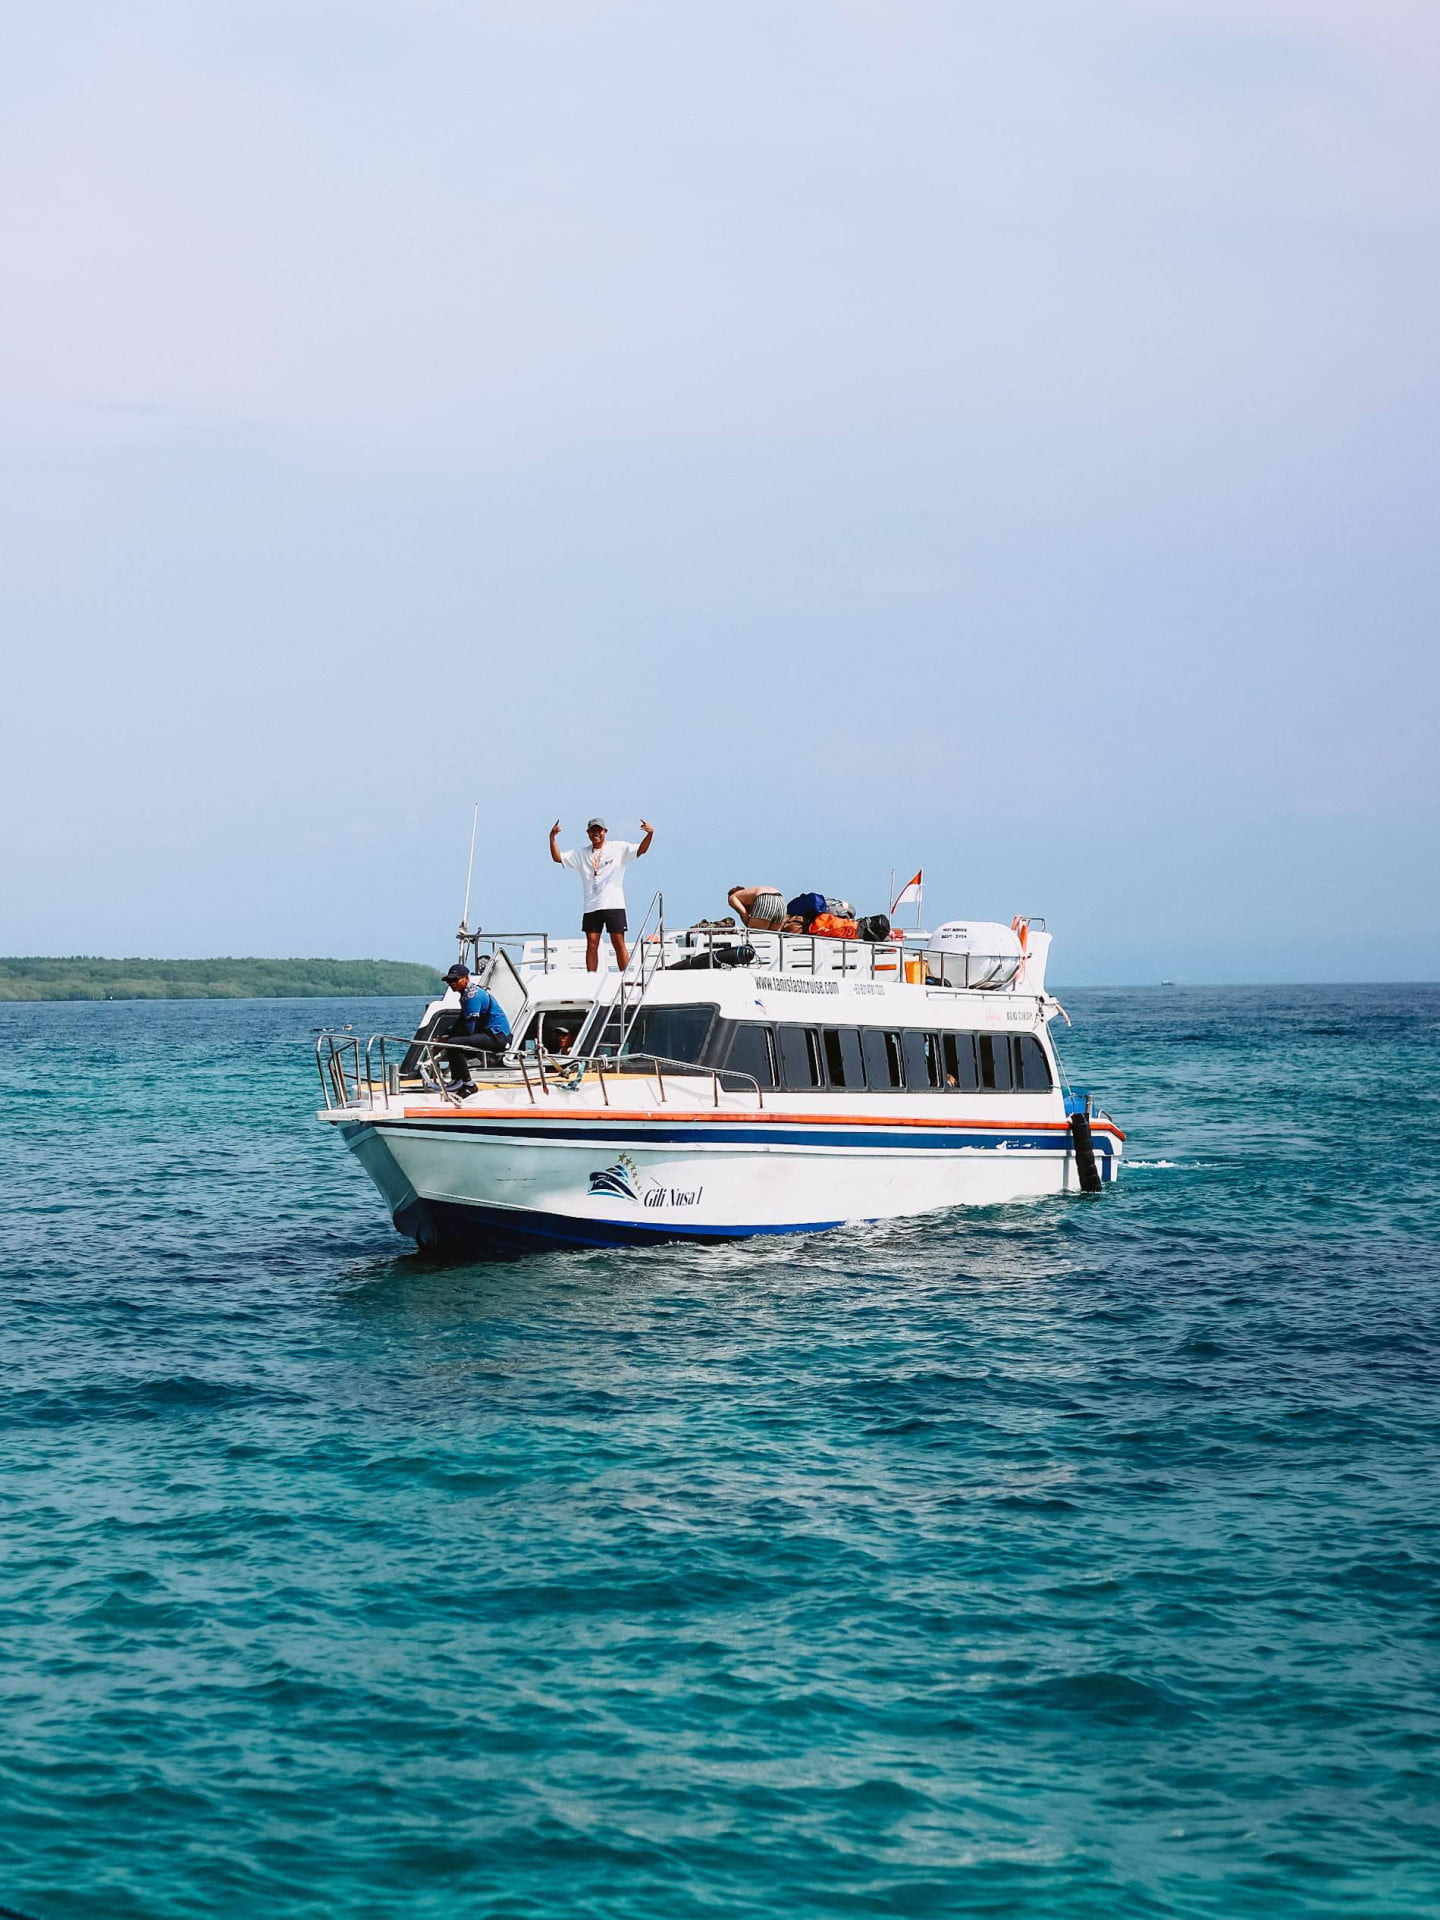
(671, 1033)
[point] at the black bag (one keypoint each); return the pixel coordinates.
(874, 926)
(717, 957)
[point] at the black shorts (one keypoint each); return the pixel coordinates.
(603, 920)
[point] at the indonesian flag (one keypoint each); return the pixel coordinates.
(909, 894)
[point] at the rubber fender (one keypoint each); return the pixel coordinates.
(1090, 1181)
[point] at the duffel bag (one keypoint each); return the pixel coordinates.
(805, 906)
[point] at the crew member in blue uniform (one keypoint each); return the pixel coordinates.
(482, 1024)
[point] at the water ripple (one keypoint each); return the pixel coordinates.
(1069, 1560)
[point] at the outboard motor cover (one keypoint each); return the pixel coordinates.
(974, 953)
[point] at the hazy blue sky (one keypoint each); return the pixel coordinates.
(854, 435)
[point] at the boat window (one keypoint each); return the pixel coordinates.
(752, 1051)
(671, 1033)
(958, 1050)
(994, 1051)
(560, 1027)
(799, 1057)
(1032, 1068)
(844, 1062)
(555, 1028)
(882, 1059)
(922, 1061)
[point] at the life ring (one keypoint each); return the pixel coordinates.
(1022, 927)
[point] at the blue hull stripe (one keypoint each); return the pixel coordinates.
(601, 1138)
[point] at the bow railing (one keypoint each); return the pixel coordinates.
(364, 1076)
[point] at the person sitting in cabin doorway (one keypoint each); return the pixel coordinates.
(482, 1024)
(762, 908)
(601, 867)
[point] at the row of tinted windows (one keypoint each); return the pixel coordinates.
(885, 1060)
(881, 1059)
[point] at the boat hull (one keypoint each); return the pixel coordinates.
(509, 1184)
(511, 1232)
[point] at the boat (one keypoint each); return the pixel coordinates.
(726, 1084)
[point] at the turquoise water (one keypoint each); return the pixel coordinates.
(1073, 1559)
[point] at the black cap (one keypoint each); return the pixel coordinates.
(458, 971)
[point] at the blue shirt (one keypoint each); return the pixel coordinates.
(481, 1012)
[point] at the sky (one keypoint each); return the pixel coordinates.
(853, 436)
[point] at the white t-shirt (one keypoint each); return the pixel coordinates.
(602, 874)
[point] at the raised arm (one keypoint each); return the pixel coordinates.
(644, 846)
(554, 850)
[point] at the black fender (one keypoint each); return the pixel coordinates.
(1084, 1144)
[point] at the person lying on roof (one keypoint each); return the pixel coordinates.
(762, 908)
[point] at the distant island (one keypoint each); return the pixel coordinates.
(81, 977)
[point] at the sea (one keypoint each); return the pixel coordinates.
(1075, 1559)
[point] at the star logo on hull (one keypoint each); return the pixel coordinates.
(619, 1179)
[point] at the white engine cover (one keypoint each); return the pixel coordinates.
(975, 953)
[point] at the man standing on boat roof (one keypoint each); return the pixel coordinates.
(601, 867)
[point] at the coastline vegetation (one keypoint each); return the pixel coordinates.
(85, 977)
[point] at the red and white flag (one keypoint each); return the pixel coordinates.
(909, 894)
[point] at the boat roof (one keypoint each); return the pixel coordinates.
(552, 969)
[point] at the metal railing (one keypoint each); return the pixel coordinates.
(622, 1067)
(795, 952)
(540, 951)
(361, 1076)
(801, 952)
(338, 1060)
(356, 1073)
(522, 948)
(784, 952)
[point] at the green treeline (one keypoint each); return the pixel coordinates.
(79, 977)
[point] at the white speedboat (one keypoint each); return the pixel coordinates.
(726, 1085)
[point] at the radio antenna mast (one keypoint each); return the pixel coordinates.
(469, 871)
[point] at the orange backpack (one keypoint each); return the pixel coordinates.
(828, 924)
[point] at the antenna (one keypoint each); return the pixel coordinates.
(469, 870)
